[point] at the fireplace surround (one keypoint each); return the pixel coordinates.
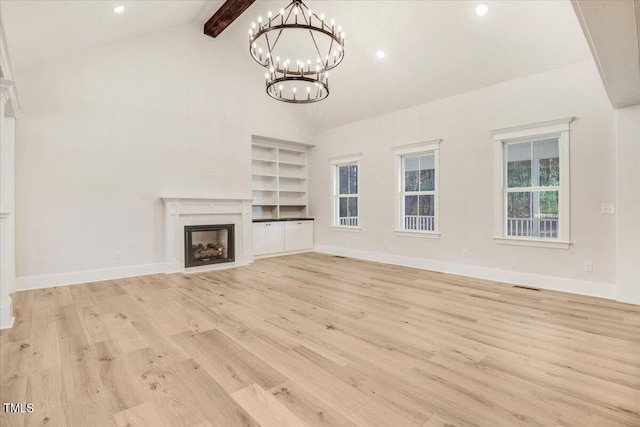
(186, 212)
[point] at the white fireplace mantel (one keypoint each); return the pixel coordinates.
(179, 212)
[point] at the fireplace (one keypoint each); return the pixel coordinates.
(208, 244)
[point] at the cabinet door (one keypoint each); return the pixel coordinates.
(275, 237)
(305, 235)
(260, 238)
(292, 236)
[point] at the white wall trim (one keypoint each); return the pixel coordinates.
(582, 287)
(345, 158)
(535, 243)
(417, 147)
(527, 130)
(87, 276)
(6, 315)
(7, 68)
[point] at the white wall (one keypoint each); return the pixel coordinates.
(466, 176)
(628, 203)
(104, 134)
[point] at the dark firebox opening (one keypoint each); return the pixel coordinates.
(208, 244)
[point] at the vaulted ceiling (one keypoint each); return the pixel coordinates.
(435, 49)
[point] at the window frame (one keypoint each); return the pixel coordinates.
(431, 147)
(559, 129)
(336, 163)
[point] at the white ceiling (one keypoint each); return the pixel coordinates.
(435, 49)
(38, 30)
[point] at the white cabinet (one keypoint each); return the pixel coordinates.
(298, 235)
(282, 236)
(268, 238)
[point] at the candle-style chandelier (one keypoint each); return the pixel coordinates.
(297, 34)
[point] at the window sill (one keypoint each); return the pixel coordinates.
(419, 234)
(536, 243)
(343, 228)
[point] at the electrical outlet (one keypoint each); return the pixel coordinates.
(465, 253)
(607, 209)
(117, 255)
(588, 266)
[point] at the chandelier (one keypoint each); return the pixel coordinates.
(296, 34)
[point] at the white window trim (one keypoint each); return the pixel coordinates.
(334, 162)
(554, 128)
(400, 151)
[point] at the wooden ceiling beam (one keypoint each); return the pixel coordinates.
(224, 16)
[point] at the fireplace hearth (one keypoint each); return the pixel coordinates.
(208, 244)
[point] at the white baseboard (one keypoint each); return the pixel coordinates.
(74, 278)
(282, 254)
(582, 287)
(6, 315)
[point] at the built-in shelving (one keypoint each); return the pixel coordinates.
(279, 179)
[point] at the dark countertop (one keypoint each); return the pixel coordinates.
(283, 219)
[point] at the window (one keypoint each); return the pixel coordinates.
(533, 184)
(345, 191)
(417, 188)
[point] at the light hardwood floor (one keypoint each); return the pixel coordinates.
(313, 340)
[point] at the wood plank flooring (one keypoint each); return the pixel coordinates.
(313, 340)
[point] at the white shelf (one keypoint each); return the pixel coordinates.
(292, 177)
(279, 180)
(293, 164)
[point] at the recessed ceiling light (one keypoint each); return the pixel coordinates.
(482, 9)
(118, 9)
(380, 54)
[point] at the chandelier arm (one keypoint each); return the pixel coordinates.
(269, 47)
(330, 46)
(290, 8)
(304, 16)
(277, 38)
(317, 48)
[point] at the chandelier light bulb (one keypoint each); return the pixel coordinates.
(322, 17)
(333, 22)
(281, 12)
(250, 32)
(269, 14)
(260, 19)
(295, 90)
(260, 50)
(308, 89)
(310, 13)
(253, 25)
